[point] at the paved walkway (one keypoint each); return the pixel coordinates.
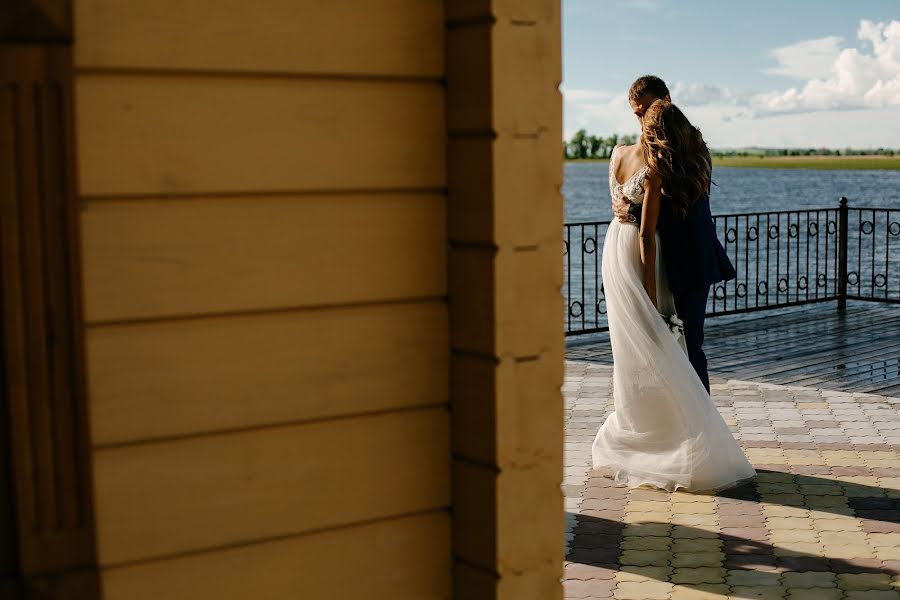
(820, 522)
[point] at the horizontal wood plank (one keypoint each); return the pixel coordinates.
(168, 498)
(187, 376)
(169, 135)
(153, 258)
(399, 559)
(387, 37)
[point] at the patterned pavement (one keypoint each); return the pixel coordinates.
(820, 522)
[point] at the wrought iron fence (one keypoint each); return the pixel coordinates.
(782, 258)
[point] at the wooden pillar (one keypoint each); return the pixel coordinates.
(46, 524)
(505, 219)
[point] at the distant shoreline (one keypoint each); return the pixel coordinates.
(826, 163)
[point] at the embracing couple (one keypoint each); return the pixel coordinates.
(660, 257)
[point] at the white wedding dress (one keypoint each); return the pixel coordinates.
(665, 431)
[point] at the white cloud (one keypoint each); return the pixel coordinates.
(857, 78)
(699, 94)
(811, 59)
(852, 100)
(601, 112)
(641, 4)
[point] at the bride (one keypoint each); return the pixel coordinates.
(665, 431)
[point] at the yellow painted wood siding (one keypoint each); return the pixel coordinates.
(218, 374)
(179, 257)
(263, 193)
(400, 559)
(337, 37)
(163, 135)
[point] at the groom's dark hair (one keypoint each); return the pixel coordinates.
(648, 84)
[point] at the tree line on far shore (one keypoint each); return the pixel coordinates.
(585, 146)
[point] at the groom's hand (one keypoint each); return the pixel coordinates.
(620, 206)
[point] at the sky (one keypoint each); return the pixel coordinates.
(796, 73)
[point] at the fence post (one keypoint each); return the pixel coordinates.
(843, 218)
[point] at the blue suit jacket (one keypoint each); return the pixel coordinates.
(694, 257)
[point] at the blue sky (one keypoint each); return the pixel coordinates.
(791, 73)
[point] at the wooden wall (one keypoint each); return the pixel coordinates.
(505, 214)
(322, 269)
(263, 213)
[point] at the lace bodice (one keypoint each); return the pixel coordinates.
(633, 188)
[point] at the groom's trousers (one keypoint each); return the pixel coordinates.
(691, 308)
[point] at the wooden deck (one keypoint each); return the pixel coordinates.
(812, 346)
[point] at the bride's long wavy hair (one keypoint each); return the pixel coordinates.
(676, 151)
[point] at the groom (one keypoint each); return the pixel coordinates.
(693, 256)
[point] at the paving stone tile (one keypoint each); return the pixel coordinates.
(734, 545)
(788, 523)
(695, 520)
(808, 579)
(871, 503)
(814, 594)
(747, 533)
(888, 516)
(643, 573)
(803, 563)
(696, 575)
(774, 477)
(778, 537)
(757, 562)
(871, 595)
(644, 590)
(864, 581)
(645, 557)
(825, 501)
(585, 572)
(799, 549)
(698, 507)
(836, 525)
(783, 499)
(759, 593)
(697, 559)
(821, 490)
(775, 510)
(645, 542)
(647, 495)
(833, 538)
(594, 555)
(607, 514)
(754, 521)
(887, 553)
(592, 588)
(601, 504)
(696, 545)
(752, 578)
(594, 541)
(736, 509)
(638, 529)
(646, 517)
(856, 565)
(778, 488)
(850, 551)
(684, 531)
(645, 506)
(817, 469)
(884, 539)
(699, 592)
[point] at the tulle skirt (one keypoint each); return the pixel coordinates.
(665, 431)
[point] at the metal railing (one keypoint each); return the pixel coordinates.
(782, 258)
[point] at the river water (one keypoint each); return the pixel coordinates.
(780, 259)
(745, 190)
